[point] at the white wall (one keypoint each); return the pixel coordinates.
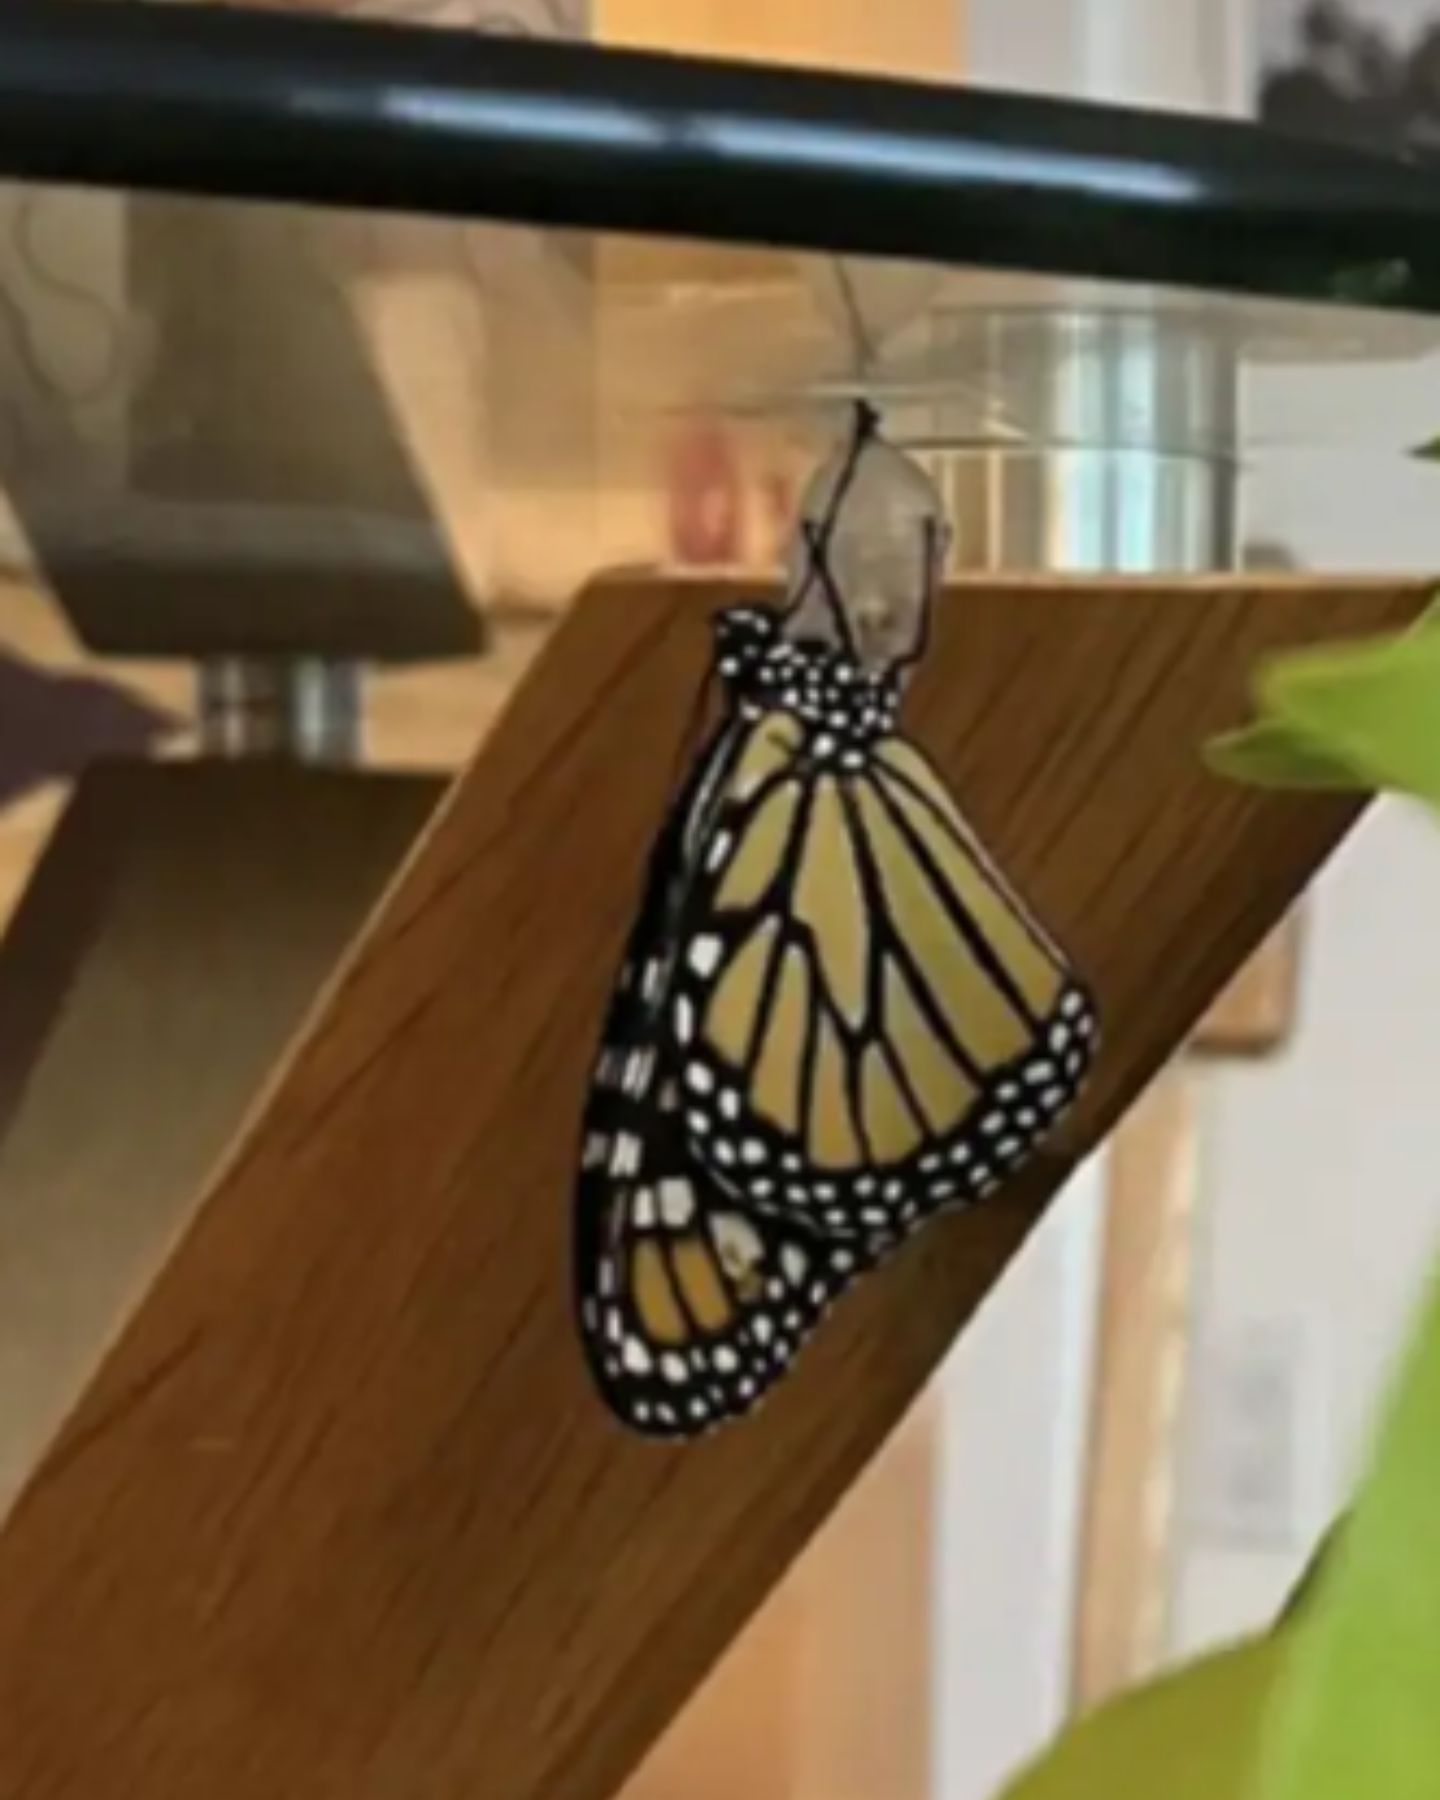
(1321, 1207)
(1014, 1405)
(1181, 54)
(1322, 1180)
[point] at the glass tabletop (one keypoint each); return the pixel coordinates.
(238, 418)
(232, 425)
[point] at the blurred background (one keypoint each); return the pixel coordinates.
(288, 502)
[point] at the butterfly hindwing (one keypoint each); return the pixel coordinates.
(692, 1303)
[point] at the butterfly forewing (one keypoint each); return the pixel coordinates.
(871, 1026)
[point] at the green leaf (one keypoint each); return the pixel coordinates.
(1429, 451)
(1306, 1589)
(1361, 715)
(1355, 1712)
(1274, 754)
(1189, 1736)
(1373, 707)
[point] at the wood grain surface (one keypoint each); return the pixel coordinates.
(182, 919)
(340, 1517)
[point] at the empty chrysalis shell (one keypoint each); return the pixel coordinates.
(872, 522)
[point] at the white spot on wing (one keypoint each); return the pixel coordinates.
(677, 1202)
(625, 1154)
(737, 1243)
(704, 955)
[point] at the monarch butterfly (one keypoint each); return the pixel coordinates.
(835, 1018)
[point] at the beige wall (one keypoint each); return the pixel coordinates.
(919, 38)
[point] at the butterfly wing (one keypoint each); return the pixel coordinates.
(691, 1303)
(834, 1018)
(869, 1024)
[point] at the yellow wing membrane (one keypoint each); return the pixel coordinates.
(872, 1023)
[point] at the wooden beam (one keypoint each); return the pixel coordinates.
(1256, 1012)
(180, 921)
(1141, 1347)
(340, 1515)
